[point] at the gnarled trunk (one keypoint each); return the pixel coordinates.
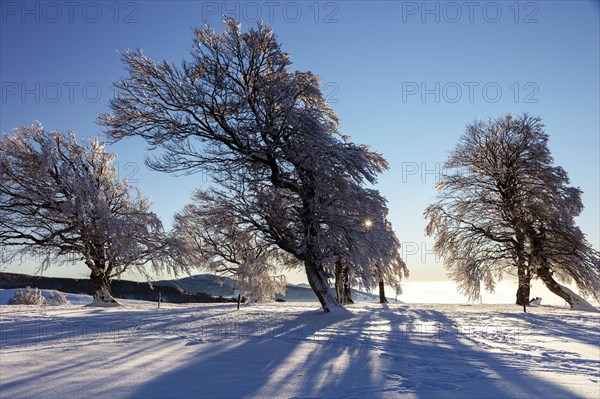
(382, 298)
(318, 282)
(574, 300)
(545, 274)
(101, 285)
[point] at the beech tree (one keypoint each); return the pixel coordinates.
(267, 137)
(507, 209)
(63, 201)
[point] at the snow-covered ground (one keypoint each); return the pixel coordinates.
(295, 351)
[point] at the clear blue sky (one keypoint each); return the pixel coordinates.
(404, 77)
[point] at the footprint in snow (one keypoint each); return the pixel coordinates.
(438, 385)
(417, 383)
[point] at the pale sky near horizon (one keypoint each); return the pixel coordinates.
(405, 77)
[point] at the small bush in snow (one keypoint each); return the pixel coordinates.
(55, 298)
(27, 297)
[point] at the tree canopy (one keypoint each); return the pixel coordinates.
(268, 139)
(63, 200)
(507, 209)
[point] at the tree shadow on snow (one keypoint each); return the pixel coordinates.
(565, 326)
(378, 352)
(375, 351)
(312, 355)
(433, 356)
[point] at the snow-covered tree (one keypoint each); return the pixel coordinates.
(267, 137)
(507, 209)
(380, 249)
(390, 269)
(62, 200)
(219, 241)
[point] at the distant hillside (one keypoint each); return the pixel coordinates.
(224, 286)
(121, 288)
(207, 283)
(199, 288)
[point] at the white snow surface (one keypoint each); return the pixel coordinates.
(294, 350)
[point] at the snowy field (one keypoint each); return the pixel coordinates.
(296, 351)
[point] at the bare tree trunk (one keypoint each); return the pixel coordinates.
(343, 290)
(574, 300)
(316, 275)
(101, 285)
(524, 290)
(339, 283)
(347, 290)
(382, 298)
(545, 275)
(524, 277)
(318, 282)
